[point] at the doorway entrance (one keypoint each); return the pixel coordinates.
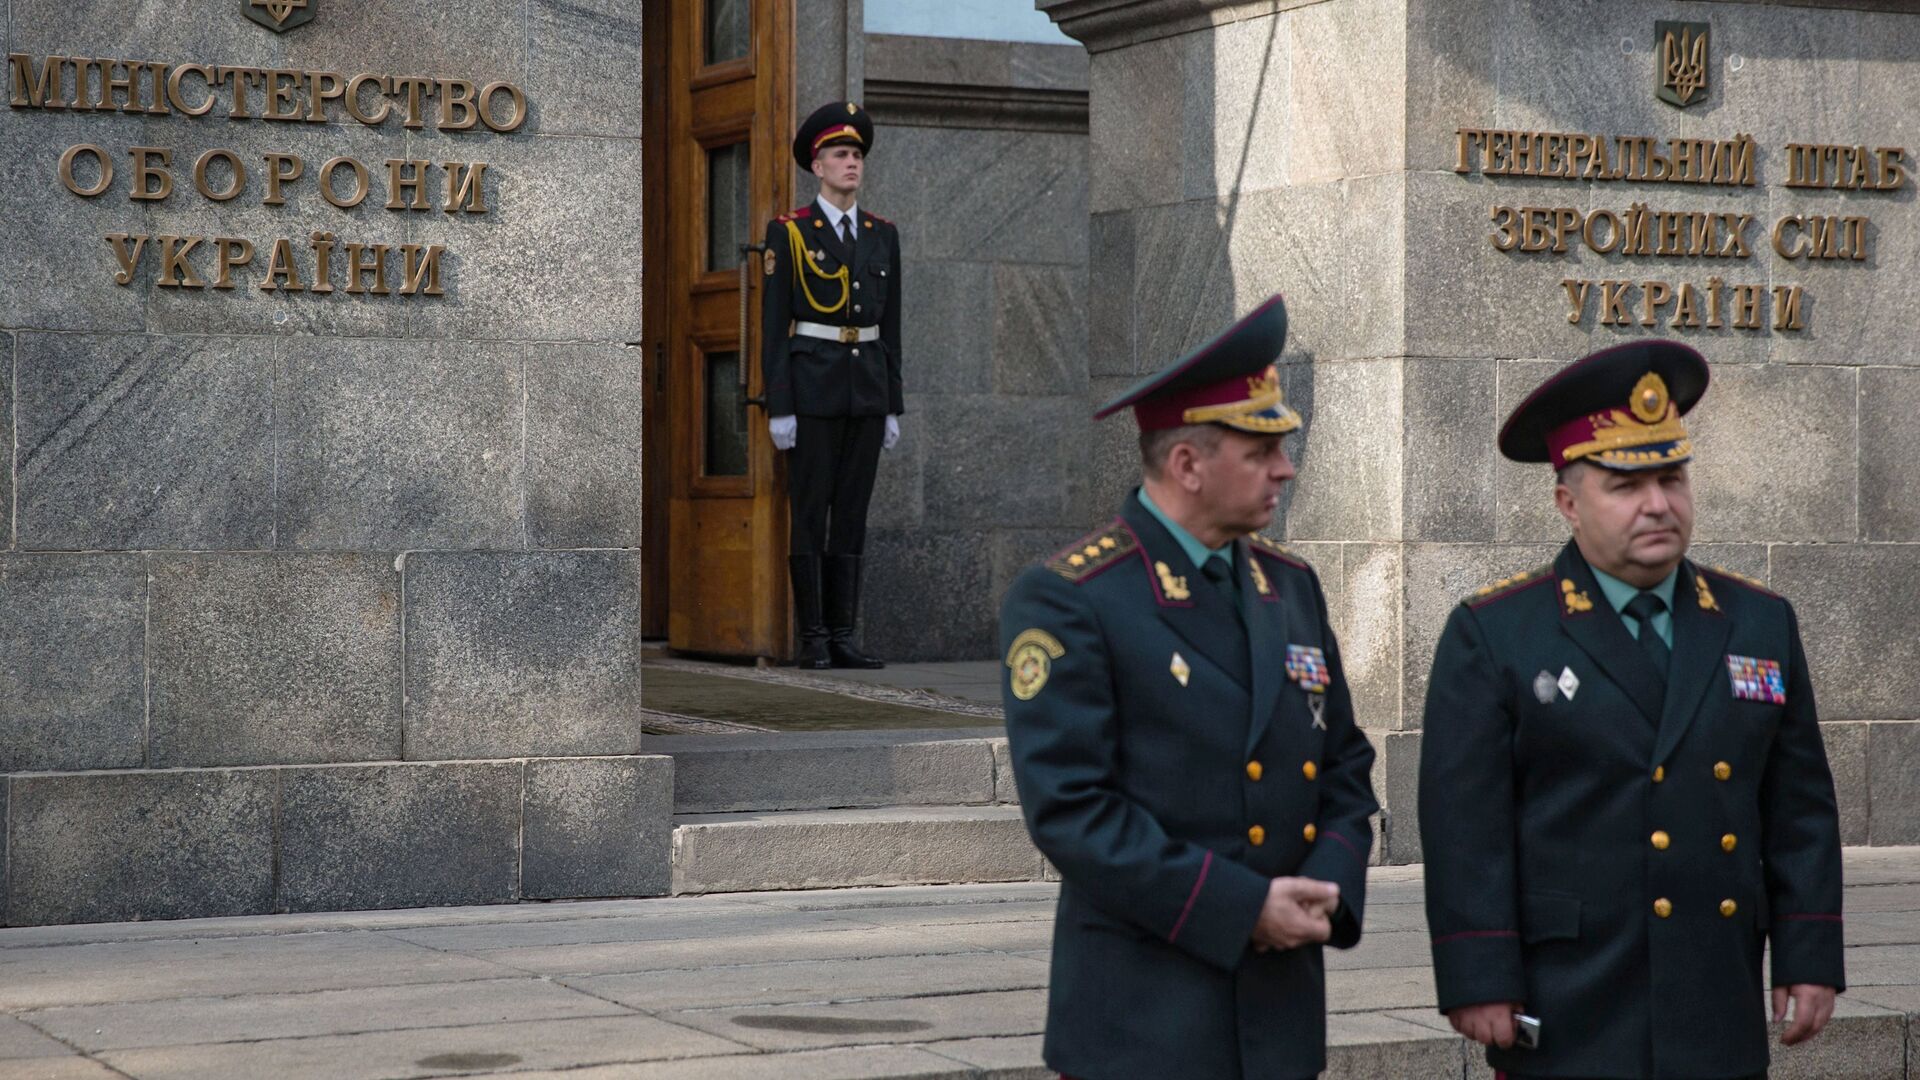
(719, 92)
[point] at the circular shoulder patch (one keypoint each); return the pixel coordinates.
(1030, 660)
(769, 261)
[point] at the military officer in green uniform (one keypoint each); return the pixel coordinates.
(1624, 797)
(830, 361)
(1185, 747)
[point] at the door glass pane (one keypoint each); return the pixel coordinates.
(726, 434)
(728, 190)
(729, 30)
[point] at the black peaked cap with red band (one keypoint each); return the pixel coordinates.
(832, 124)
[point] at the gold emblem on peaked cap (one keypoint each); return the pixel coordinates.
(852, 108)
(1650, 400)
(1030, 660)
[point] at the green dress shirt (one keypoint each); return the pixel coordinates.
(1619, 593)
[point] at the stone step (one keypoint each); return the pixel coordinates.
(835, 770)
(826, 849)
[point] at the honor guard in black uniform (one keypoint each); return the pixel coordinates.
(830, 359)
(1624, 797)
(1185, 748)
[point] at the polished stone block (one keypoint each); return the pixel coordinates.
(583, 67)
(400, 444)
(1852, 601)
(522, 655)
(273, 659)
(901, 566)
(1337, 131)
(1350, 478)
(386, 836)
(106, 847)
(583, 479)
(1448, 420)
(1747, 415)
(946, 325)
(1039, 331)
(1893, 767)
(72, 664)
(144, 442)
(598, 827)
(1889, 445)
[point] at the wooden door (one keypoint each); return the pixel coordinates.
(728, 106)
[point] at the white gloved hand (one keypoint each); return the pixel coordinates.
(893, 433)
(785, 431)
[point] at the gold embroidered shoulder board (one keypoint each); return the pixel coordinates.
(1092, 552)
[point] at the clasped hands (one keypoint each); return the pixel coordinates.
(1299, 911)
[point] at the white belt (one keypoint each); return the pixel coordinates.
(844, 334)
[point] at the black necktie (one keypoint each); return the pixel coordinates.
(1643, 607)
(846, 231)
(1220, 572)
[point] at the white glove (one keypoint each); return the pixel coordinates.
(785, 431)
(893, 433)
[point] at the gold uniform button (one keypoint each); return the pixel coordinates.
(1257, 836)
(1659, 773)
(1309, 770)
(1309, 832)
(1663, 907)
(1729, 842)
(1661, 840)
(1727, 908)
(1722, 771)
(1254, 770)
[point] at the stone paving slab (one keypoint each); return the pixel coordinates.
(543, 1044)
(18, 1040)
(920, 982)
(814, 982)
(94, 1028)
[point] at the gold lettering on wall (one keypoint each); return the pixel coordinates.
(1642, 230)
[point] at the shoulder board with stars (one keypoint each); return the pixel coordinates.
(1735, 576)
(1268, 547)
(1507, 585)
(1093, 552)
(875, 217)
(796, 214)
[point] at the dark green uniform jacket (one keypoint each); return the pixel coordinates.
(809, 376)
(1615, 852)
(1170, 766)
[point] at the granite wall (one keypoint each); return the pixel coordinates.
(324, 600)
(1310, 148)
(981, 158)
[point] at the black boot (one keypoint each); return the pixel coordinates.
(843, 610)
(812, 654)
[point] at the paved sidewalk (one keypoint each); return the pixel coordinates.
(925, 983)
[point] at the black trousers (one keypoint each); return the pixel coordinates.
(830, 473)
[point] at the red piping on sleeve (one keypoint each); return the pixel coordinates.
(1205, 865)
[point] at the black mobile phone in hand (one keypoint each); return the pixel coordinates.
(1526, 1031)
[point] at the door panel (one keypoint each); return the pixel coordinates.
(728, 117)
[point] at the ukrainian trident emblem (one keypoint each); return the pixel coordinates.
(278, 15)
(1682, 53)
